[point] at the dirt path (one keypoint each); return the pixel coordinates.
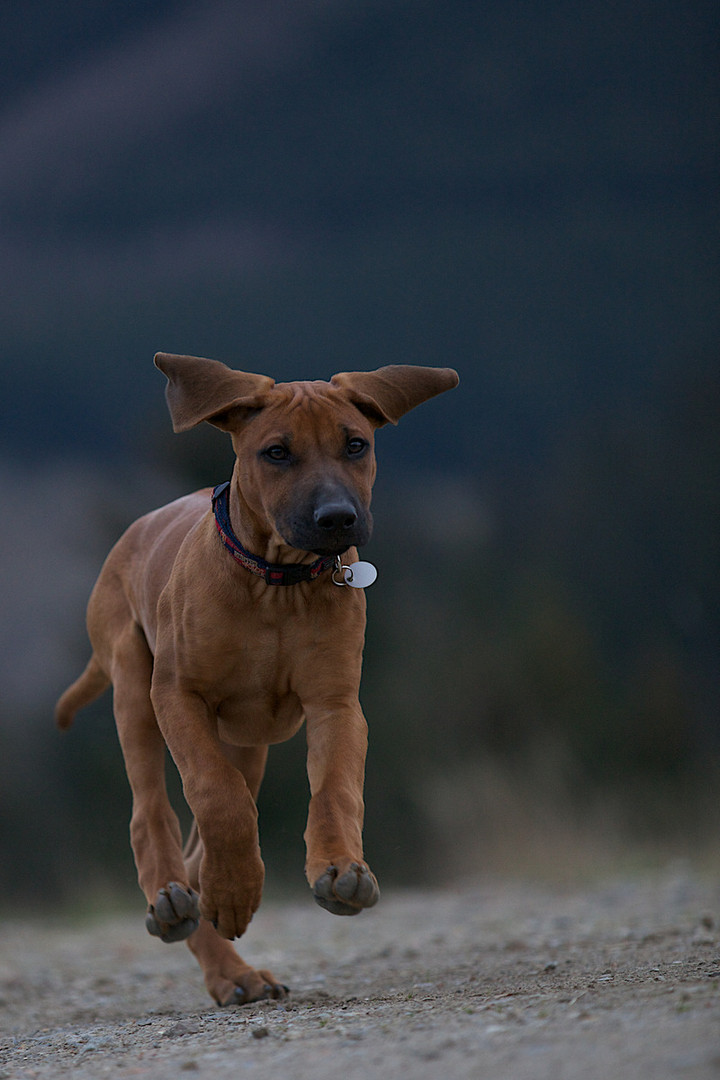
(495, 980)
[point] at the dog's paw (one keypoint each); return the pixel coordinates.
(175, 915)
(346, 893)
(251, 986)
(229, 898)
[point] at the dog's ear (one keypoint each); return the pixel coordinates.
(388, 393)
(200, 389)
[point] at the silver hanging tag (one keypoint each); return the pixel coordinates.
(358, 574)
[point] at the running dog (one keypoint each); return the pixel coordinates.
(227, 619)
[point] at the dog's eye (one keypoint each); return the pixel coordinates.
(356, 446)
(277, 453)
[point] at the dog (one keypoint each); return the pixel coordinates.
(223, 622)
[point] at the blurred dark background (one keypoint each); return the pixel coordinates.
(525, 191)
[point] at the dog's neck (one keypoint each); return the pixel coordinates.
(256, 535)
(274, 565)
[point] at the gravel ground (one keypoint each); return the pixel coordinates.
(493, 979)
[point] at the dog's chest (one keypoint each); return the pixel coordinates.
(259, 719)
(256, 695)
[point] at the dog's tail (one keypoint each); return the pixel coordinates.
(89, 686)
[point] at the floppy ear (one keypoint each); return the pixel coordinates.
(200, 389)
(388, 393)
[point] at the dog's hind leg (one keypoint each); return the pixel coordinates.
(154, 828)
(230, 981)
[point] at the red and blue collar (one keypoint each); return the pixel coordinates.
(273, 573)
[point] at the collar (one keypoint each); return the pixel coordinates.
(273, 573)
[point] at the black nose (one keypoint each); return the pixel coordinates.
(333, 516)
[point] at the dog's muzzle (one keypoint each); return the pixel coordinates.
(334, 524)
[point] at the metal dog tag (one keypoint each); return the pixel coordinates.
(359, 574)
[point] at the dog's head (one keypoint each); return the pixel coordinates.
(305, 450)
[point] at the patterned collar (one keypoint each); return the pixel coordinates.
(273, 573)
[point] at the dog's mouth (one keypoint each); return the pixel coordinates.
(329, 530)
(337, 549)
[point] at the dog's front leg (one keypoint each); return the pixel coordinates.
(337, 744)
(231, 871)
(154, 828)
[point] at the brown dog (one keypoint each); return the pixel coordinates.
(209, 657)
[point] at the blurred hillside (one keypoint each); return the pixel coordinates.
(526, 192)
